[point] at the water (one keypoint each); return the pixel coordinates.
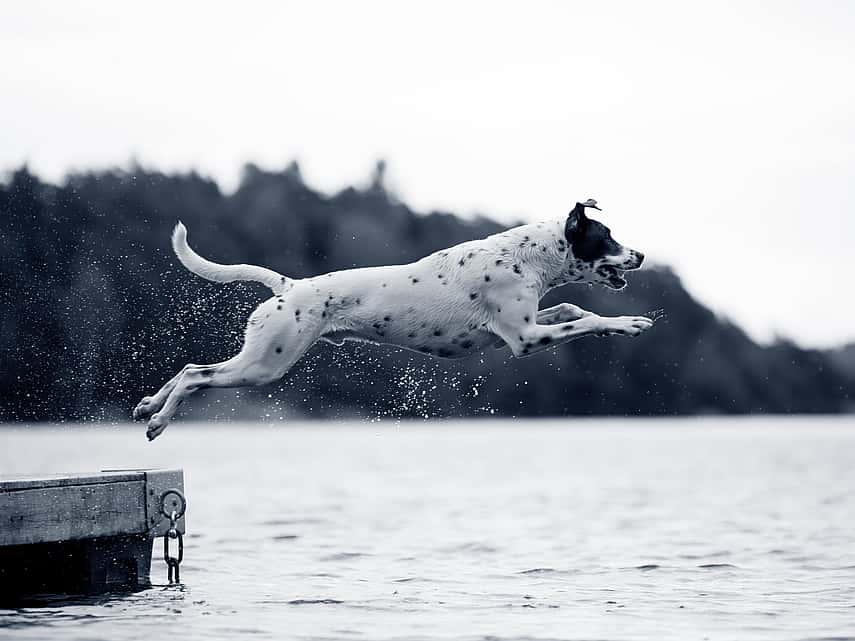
(679, 529)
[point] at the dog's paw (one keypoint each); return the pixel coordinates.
(627, 326)
(156, 425)
(145, 408)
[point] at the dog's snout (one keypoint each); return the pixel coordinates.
(639, 257)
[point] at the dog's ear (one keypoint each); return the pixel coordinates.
(575, 224)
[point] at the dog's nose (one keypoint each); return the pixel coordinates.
(640, 258)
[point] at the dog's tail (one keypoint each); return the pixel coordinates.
(223, 273)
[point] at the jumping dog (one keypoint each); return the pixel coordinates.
(450, 304)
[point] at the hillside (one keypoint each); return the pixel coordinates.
(96, 312)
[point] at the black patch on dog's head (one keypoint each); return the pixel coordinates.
(589, 239)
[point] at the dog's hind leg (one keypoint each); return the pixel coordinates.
(248, 368)
(269, 351)
(150, 404)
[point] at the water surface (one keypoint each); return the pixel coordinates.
(570, 529)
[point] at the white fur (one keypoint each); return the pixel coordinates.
(449, 304)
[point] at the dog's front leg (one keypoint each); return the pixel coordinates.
(526, 338)
(561, 313)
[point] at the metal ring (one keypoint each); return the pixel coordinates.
(180, 512)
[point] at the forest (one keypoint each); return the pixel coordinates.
(96, 312)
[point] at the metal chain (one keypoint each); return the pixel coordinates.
(172, 563)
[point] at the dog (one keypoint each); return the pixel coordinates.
(450, 304)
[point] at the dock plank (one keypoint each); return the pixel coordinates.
(26, 482)
(69, 512)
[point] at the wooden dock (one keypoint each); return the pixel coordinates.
(83, 533)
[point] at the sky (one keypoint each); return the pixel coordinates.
(718, 137)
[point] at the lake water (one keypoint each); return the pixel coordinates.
(570, 529)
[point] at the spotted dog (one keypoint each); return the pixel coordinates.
(450, 304)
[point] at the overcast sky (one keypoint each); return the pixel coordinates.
(719, 138)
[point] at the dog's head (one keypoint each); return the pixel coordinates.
(596, 257)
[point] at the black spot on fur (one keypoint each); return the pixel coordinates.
(466, 344)
(279, 307)
(375, 325)
(439, 276)
(526, 318)
(499, 261)
(415, 280)
(545, 340)
(461, 262)
(521, 339)
(296, 312)
(437, 332)
(358, 301)
(517, 269)
(387, 318)
(282, 280)
(323, 314)
(326, 303)
(486, 278)
(411, 335)
(384, 285)
(525, 351)
(473, 296)
(278, 350)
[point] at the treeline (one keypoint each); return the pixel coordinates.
(95, 312)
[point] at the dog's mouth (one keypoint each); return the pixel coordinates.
(614, 277)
